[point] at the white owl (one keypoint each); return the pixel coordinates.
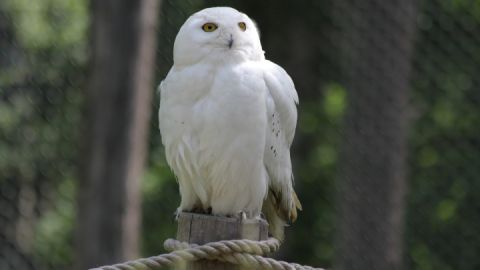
(227, 119)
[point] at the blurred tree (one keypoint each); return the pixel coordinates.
(120, 83)
(379, 39)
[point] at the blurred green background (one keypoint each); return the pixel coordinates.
(44, 57)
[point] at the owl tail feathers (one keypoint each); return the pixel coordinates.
(297, 205)
(278, 215)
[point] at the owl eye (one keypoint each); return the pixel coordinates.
(242, 26)
(209, 27)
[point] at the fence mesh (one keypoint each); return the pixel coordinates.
(43, 68)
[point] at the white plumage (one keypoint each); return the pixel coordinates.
(227, 119)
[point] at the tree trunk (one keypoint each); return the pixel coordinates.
(118, 104)
(373, 178)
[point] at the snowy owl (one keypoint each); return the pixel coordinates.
(227, 119)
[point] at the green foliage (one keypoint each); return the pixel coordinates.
(444, 141)
(40, 110)
(41, 24)
(160, 199)
(334, 101)
(54, 230)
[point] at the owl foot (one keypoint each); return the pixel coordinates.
(240, 215)
(197, 210)
(176, 214)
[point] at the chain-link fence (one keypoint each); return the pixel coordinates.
(402, 76)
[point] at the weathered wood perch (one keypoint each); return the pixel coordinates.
(202, 229)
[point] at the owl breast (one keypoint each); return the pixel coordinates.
(213, 124)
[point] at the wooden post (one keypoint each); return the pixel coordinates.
(202, 229)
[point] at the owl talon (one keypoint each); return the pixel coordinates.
(241, 215)
(176, 214)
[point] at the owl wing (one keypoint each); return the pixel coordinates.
(281, 204)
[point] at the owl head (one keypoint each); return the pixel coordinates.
(217, 34)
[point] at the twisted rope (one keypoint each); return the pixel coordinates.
(246, 253)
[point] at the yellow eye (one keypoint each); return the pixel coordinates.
(209, 27)
(242, 26)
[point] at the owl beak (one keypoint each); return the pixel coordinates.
(230, 41)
